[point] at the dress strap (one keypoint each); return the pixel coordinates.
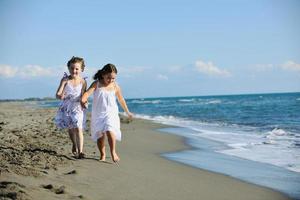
(65, 75)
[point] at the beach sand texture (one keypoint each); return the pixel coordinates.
(36, 163)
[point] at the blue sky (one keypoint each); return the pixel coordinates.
(161, 48)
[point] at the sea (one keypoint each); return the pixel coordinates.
(251, 137)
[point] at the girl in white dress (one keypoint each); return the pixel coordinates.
(71, 114)
(105, 113)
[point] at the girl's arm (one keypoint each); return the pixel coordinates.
(60, 89)
(84, 84)
(86, 94)
(83, 90)
(122, 101)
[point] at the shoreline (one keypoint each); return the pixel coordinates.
(203, 154)
(143, 172)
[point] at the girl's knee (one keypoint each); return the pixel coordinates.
(110, 133)
(101, 138)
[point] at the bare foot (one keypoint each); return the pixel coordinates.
(74, 152)
(81, 155)
(115, 157)
(102, 158)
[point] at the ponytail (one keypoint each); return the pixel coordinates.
(108, 68)
(98, 75)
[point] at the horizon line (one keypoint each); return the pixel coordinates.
(234, 94)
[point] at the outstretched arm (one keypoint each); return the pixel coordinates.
(60, 89)
(122, 101)
(86, 95)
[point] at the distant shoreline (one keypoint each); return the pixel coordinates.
(29, 99)
(189, 96)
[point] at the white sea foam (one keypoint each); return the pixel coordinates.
(278, 132)
(259, 147)
(214, 102)
(276, 147)
(186, 100)
(175, 121)
(142, 101)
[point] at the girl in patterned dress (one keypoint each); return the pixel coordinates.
(71, 114)
(105, 113)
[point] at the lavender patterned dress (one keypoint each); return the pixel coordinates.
(70, 113)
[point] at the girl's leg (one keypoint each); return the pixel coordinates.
(79, 142)
(73, 139)
(112, 144)
(101, 147)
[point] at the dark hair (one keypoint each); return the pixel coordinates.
(108, 68)
(76, 60)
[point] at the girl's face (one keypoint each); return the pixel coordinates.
(109, 78)
(75, 69)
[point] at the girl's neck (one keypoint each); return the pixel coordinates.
(74, 78)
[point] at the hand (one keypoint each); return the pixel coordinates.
(84, 104)
(130, 115)
(61, 97)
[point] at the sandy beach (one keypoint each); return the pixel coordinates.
(36, 163)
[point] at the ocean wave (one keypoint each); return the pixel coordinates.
(278, 132)
(277, 147)
(178, 121)
(282, 136)
(186, 100)
(145, 101)
(200, 101)
(169, 120)
(217, 101)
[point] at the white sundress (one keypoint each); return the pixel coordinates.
(105, 114)
(70, 113)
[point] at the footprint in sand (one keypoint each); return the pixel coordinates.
(56, 190)
(12, 190)
(71, 172)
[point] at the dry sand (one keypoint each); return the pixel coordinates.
(36, 163)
